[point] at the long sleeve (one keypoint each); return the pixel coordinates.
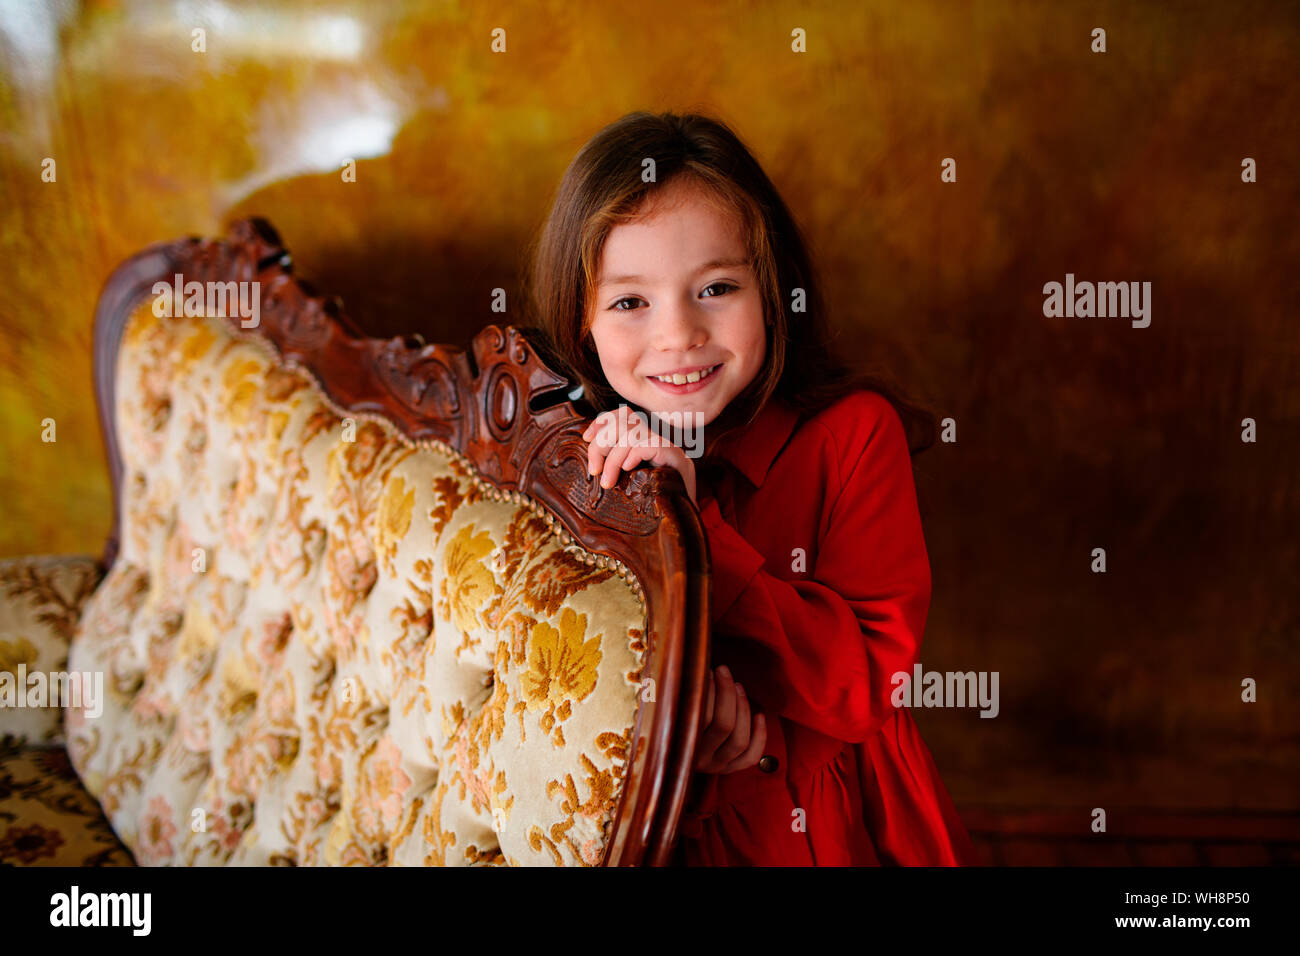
(838, 633)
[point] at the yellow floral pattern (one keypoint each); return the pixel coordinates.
(562, 667)
(329, 646)
(467, 583)
(16, 653)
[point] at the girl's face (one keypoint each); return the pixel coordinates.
(678, 317)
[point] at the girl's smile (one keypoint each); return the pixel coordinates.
(686, 381)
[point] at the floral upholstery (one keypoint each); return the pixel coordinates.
(324, 644)
(46, 816)
(41, 600)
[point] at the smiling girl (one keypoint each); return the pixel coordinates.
(693, 296)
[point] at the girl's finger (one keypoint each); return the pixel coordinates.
(754, 752)
(602, 429)
(595, 458)
(637, 454)
(724, 712)
(631, 428)
(669, 455)
(738, 739)
(613, 462)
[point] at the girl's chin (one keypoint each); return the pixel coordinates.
(700, 412)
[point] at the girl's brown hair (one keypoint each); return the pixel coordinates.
(603, 187)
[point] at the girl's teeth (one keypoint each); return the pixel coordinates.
(679, 379)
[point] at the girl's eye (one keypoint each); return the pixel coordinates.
(725, 285)
(626, 298)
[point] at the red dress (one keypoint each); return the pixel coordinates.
(816, 643)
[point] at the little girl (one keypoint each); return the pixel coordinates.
(673, 279)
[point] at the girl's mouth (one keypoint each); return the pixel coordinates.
(683, 383)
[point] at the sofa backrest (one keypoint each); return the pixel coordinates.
(364, 604)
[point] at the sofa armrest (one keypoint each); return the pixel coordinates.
(41, 598)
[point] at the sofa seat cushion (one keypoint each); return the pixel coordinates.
(46, 816)
(325, 644)
(41, 601)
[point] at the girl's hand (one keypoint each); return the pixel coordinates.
(730, 740)
(621, 440)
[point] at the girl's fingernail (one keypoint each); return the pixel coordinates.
(724, 672)
(740, 689)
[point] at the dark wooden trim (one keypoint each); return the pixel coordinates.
(484, 402)
(694, 671)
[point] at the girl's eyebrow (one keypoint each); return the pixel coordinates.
(724, 263)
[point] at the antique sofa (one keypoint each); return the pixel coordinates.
(362, 604)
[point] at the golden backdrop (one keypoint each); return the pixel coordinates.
(1072, 434)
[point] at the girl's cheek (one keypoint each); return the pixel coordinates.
(619, 377)
(755, 356)
(618, 360)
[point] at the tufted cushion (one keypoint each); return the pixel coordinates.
(323, 644)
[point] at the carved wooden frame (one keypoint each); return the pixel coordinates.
(481, 403)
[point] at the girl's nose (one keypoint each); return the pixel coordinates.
(678, 331)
